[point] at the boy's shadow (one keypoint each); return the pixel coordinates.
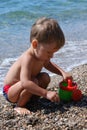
(49, 107)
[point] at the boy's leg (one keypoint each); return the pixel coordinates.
(16, 91)
(43, 79)
(17, 94)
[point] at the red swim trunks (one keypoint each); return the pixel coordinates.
(6, 88)
(5, 91)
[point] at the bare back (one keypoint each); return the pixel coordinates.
(33, 68)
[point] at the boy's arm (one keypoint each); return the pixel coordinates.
(57, 70)
(26, 78)
(33, 88)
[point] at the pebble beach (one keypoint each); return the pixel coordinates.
(46, 115)
(16, 19)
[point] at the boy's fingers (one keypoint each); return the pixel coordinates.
(56, 98)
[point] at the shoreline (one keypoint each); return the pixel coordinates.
(47, 115)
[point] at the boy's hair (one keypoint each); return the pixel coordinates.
(46, 31)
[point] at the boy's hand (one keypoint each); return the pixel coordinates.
(67, 76)
(53, 96)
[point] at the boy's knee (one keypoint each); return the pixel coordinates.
(43, 79)
(46, 78)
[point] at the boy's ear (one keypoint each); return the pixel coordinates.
(34, 43)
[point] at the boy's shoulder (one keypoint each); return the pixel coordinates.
(27, 56)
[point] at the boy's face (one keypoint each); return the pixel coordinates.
(45, 51)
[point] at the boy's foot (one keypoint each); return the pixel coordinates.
(22, 111)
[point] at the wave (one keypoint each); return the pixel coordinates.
(33, 9)
(18, 14)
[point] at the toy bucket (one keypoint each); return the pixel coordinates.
(66, 90)
(65, 95)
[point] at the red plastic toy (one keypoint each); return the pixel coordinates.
(69, 90)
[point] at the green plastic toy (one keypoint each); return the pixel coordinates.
(69, 91)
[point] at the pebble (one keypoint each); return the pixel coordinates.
(47, 115)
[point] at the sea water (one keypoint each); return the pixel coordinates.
(17, 17)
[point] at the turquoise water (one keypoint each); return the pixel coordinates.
(16, 18)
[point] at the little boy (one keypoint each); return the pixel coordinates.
(25, 78)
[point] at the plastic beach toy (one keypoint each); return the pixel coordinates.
(69, 91)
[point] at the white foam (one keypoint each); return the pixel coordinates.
(76, 65)
(8, 61)
(1, 91)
